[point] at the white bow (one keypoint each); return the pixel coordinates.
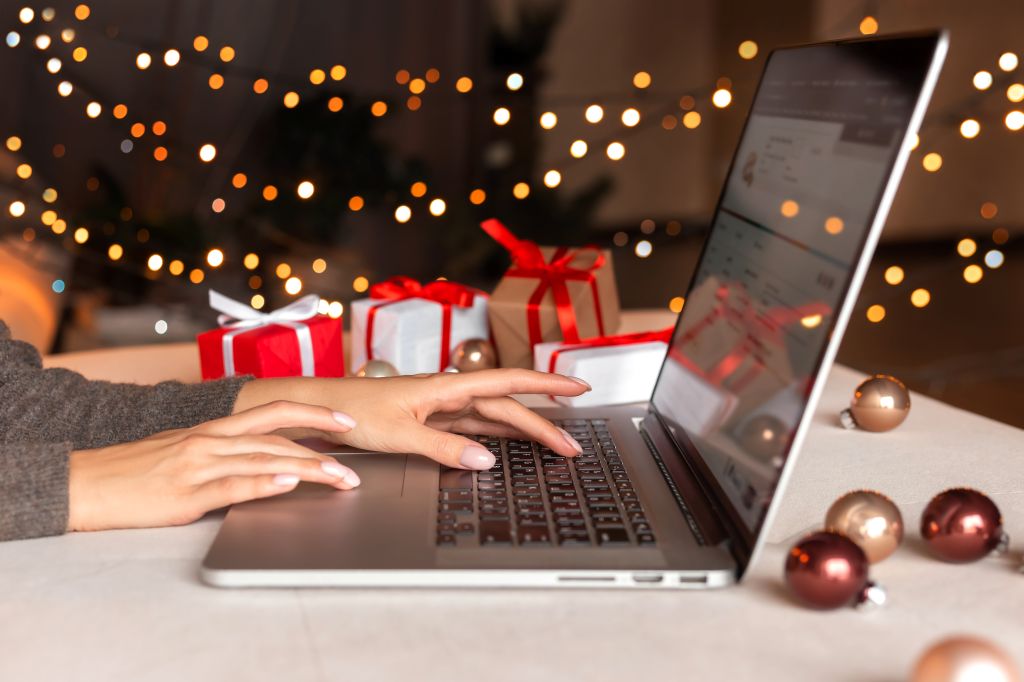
(239, 318)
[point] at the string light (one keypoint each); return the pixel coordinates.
(196, 276)
(215, 258)
(403, 213)
(143, 60)
(200, 43)
(594, 113)
(269, 193)
(356, 203)
(293, 285)
(789, 208)
(138, 129)
(172, 57)
(893, 275)
(13, 39)
(967, 247)
(869, 25)
(548, 120)
(1014, 120)
(721, 98)
(48, 14)
(514, 81)
(994, 258)
(58, 285)
(876, 313)
(160, 153)
(238, 180)
(982, 80)
(1000, 235)
(260, 86)
(643, 248)
(418, 189)
(1008, 61)
(257, 301)
(283, 271)
(23, 171)
(53, 65)
(26, 15)
(335, 309)
(970, 128)
(43, 41)
(437, 207)
(834, 224)
(360, 284)
(691, 119)
(49, 195)
(932, 162)
(552, 178)
(417, 86)
(578, 149)
(502, 116)
(176, 267)
(305, 189)
(630, 117)
(227, 53)
(464, 84)
(82, 12)
(379, 108)
(93, 109)
(668, 122)
(973, 274)
(319, 266)
(291, 99)
(615, 151)
(676, 304)
(155, 262)
(16, 208)
(119, 111)
(919, 298)
(1015, 93)
(49, 217)
(216, 81)
(67, 35)
(521, 190)
(338, 72)
(335, 104)
(641, 80)
(14, 143)
(747, 49)
(317, 76)
(988, 210)
(115, 251)
(251, 261)
(207, 153)
(477, 197)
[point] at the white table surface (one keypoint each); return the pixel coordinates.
(128, 605)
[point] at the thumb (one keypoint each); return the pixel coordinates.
(449, 449)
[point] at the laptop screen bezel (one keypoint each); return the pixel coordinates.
(746, 541)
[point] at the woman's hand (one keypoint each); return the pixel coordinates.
(420, 413)
(175, 477)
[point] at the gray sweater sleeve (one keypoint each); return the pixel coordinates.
(46, 413)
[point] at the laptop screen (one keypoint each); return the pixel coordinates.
(817, 150)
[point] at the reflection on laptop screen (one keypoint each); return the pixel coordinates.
(818, 148)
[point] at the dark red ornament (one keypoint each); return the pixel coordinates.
(827, 570)
(961, 525)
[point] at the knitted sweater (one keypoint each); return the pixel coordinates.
(47, 413)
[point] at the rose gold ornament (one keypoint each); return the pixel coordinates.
(962, 525)
(474, 354)
(826, 570)
(765, 437)
(377, 368)
(870, 519)
(880, 403)
(965, 659)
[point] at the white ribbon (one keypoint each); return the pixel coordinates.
(240, 318)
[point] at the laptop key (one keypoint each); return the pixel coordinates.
(607, 537)
(495, 533)
(445, 539)
(530, 535)
(456, 479)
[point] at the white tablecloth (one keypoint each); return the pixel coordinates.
(128, 605)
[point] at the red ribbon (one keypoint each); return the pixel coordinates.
(528, 261)
(401, 288)
(618, 340)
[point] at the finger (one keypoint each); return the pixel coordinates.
(502, 382)
(204, 444)
(235, 489)
(511, 412)
(262, 463)
(281, 414)
(478, 427)
(449, 449)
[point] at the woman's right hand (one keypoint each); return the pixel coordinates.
(175, 477)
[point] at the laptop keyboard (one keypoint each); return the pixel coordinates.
(534, 497)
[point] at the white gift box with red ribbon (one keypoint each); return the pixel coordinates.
(416, 327)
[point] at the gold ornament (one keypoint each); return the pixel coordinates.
(965, 659)
(880, 403)
(870, 519)
(765, 437)
(377, 368)
(474, 354)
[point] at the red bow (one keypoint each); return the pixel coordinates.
(528, 261)
(401, 288)
(617, 340)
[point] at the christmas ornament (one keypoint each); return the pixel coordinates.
(870, 519)
(965, 659)
(962, 525)
(377, 368)
(826, 570)
(474, 354)
(880, 403)
(765, 437)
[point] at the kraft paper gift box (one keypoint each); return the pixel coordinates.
(414, 326)
(621, 369)
(288, 342)
(550, 294)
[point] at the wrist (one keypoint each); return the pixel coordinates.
(305, 390)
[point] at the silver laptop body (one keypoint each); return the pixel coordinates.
(694, 477)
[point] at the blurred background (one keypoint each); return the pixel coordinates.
(271, 149)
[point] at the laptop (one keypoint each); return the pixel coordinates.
(677, 492)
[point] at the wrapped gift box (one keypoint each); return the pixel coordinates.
(414, 326)
(621, 369)
(292, 341)
(549, 294)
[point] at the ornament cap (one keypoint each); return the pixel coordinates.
(846, 419)
(872, 597)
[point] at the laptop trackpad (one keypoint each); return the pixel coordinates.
(381, 474)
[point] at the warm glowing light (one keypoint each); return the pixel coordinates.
(437, 207)
(172, 57)
(207, 153)
(360, 284)
(552, 178)
(615, 151)
(269, 193)
(23, 171)
(989, 210)
(721, 98)
(335, 309)
(293, 285)
(260, 85)
(49, 195)
(502, 116)
(641, 79)
(200, 43)
(1014, 120)
(464, 84)
(49, 217)
(215, 258)
(356, 203)
(379, 108)
(578, 149)
(43, 42)
(319, 266)
(335, 104)
(227, 53)
(982, 80)
(418, 189)
(521, 190)
(155, 262)
(869, 25)
(893, 275)
(1000, 235)
(919, 298)
(160, 153)
(93, 109)
(932, 162)
(643, 248)
(811, 321)
(1008, 61)
(691, 119)
(53, 65)
(548, 120)
(514, 81)
(305, 189)
(1015, 93)
(283, 270)
(81, 235)
(143, 60)
(994, 258)
(747, 49)
(13, 39)
(26, 15)
(291, 99)
(967, 247)
(115, 251)
(477, 197)
(119, 111)
(196, 276)
(594, 113)
(402, 76)
(973, 274)
(257, 301)
(138, 129)
(59, 226)
(970, 128)
(317, 76)
(338, 72)
(789, 208)
(82, 12)
(216, 81)
(17, 209)
(14, 143)
(676, 304)
(64, 88)
(834, 224)
(238, 180)
(403, 213)
(251, 261)
(630, 117)
(876, 313)
(417, 86)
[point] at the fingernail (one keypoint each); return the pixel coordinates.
(352, 479)
(344, 419)
(333, 469)
(286, 480)
(572, 441)
(581, 381)
(476, 457)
